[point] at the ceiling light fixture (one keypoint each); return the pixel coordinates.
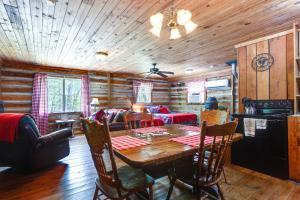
(101, 55)
(188, 71)
(181, 17)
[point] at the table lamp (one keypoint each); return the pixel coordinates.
(95, 103)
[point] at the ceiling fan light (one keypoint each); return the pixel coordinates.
(156, 20)
(101, 55)
(183, 17)
(155, 31)
(190, 27)
(174, 34)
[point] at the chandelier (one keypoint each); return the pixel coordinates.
(181, 17)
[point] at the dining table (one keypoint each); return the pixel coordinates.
(159, 152)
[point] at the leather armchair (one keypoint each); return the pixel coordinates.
(30, 150)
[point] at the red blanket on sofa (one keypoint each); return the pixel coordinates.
(9, 123)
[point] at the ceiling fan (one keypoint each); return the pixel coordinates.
(154, 70)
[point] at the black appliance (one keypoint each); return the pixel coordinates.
(267, 151)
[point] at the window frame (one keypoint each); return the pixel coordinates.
(63, 94)
(144, 103)
(196, 103)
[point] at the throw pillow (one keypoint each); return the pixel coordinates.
(163, 110)
(111, 117)
(100, 115)
(120, 117)
(154, 109)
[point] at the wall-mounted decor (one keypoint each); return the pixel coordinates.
(262, 62)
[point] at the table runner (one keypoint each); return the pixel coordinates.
(149, 130)
(126, 142)
(193, 140)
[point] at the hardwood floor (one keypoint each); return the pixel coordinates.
(73, 178)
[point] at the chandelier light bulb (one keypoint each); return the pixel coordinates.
(155, 31)
(183, 17)
(190, 26)
(174, 34)
(156, 20)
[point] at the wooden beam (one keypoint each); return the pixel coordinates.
(264, 38)
(196, 77)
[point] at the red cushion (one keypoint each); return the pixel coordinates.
(100, 115)
(163, 110)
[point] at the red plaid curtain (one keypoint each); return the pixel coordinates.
(85, 95)
(40, 102)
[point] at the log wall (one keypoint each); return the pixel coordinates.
(178, 95)
(112, 90)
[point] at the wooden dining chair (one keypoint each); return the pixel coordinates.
(208, 170)
(113, 182)
(213, 117)
(133, 120)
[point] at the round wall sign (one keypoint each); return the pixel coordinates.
(262, 62)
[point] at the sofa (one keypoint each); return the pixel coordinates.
(30, 151)
(115, 118)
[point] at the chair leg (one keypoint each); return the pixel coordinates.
(96, 193)
(151, 192)
(172, 183)
(224, 175)
(220, 192)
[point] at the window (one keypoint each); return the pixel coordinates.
(64, 94)
(144, 93)
(196, 92)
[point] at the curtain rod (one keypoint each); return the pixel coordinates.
(63, 76)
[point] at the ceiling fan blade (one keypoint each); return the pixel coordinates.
(165, 72)
(162, 75)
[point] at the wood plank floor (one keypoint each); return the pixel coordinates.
(73, 178)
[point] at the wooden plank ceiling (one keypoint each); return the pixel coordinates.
(69, 33)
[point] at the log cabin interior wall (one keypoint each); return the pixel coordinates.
(178, 94)
(275, 83)
(17, 83)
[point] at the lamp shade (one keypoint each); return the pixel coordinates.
(95, 101)
(174, 33)
(190, 26)
(155, 31)
(183, 16)
(156, 20)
